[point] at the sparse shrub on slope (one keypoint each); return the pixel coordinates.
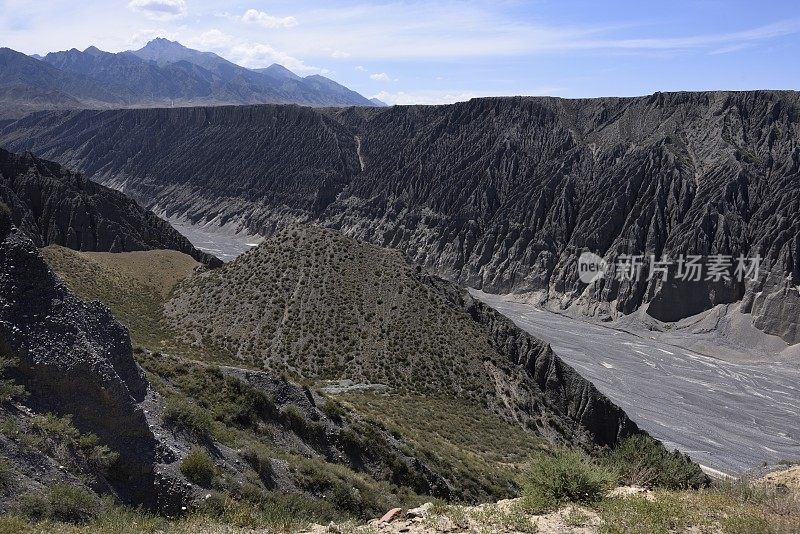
(7, 472)
(181, 413)
(318, 305)
(60, 502)
(642, 461)
(565, 475)
(9, 390)
(258, 457)
(199, 467)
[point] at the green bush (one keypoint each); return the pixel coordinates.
(641, 460)
(565, 475)
(198, 467)
(260, 461)
(7, 480)
(663, 513)
(62, 502)
(183, 414)
(72, 504)
(58, 428)
(215, 504)
(333, 409)
(9, 391)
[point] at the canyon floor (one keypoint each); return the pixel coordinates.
(729, 416)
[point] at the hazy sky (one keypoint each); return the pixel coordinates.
(434, 52)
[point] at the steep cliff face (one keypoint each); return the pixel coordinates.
(255, 166)
(54, 206)
(504, 194)
(563, 390)
(501, 194)
(75, 359)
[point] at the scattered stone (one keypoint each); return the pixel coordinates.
(389, 516)
(420, 511)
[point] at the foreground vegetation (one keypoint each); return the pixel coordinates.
(481, 450)
(484, 456)
(582, 502)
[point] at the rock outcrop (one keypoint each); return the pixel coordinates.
(75, 359)
(502, 194)
(52, 205)
(564, 391)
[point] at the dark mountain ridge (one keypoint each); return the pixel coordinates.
(54, 206)
(498, 193)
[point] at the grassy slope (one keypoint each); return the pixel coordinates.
(133, 285)
(482, 449)
(460, 437)
(318, 305)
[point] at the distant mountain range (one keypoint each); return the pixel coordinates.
(161, 74)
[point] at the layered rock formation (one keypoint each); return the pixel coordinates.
(501, 194)
(55, 206)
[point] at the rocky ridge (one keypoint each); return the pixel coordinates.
(75, 359)
(52, 205)
(501, 194)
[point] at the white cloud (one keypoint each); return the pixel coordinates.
(380, 77)
(212, 39)
(435, 97)
(731, 48)
(253, 16)
(413, 30)
(361, 68)
(159, 9)
(338, 54)
(729, 41)
(255, 55)
(407, 98)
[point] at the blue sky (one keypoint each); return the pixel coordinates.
(438, 52)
